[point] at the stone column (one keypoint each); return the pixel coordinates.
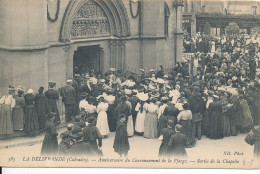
(177, 4)
(193, 25)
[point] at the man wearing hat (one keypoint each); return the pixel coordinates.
(52, 96)
(50, 142)
(69, 98)
(91, 134)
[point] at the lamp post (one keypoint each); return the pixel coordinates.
(178, 35)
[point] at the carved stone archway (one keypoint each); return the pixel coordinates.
(94, 18)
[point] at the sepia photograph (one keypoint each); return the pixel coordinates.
(130, 83)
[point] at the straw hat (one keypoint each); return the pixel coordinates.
(143, 97)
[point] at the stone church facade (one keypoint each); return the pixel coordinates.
(43, 40)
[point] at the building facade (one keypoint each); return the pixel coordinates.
(218, 14)
(45, 40)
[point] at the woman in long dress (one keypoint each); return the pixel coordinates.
(50, 142)
(247, 120)
(30, 117)
(161, 117)
(110, 99)
(52, 96)
(150, 122)
(130, 124)
(139, 123)
(166, 133)
(41, 108)
(184, 118)
(7, 103)
(226, 122)
(215, 112)
(102, 123)
(18, 111)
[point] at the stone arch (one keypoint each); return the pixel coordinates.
(114, 13)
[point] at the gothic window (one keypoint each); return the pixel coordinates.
(166, 19)
(90, 21)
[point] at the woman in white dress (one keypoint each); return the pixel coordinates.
(139, 123)
(102, 123)
(150, 122)
(213, 48)
(130, 124)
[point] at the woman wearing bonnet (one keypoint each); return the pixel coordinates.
(31, 123)
(7, 103)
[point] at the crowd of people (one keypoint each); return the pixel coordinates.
(219, 99)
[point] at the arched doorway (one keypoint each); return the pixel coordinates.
(87, 58)
(91, 21)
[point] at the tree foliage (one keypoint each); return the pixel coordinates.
(232, 28)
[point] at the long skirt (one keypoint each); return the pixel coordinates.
(257, 149)
(49, 145)
(163, 150)
(53, 108)
(205, 124)
(139, 124)
(102, 123)
(187, 130)
(111, 116)
(6, 121)
(150, 126)
(247, 120)
(226, 126)
(18, 118)
(130, 126)
(30, 119)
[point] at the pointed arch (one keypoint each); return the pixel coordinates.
(114, 20)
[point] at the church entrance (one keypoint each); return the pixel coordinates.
(87, 58)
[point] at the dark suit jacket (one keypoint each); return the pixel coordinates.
(177, 144)
(69, 95)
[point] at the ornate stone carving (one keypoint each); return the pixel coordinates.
(66, 49)
(90, 21)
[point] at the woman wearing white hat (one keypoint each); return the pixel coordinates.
(7, 103)
(31, 123)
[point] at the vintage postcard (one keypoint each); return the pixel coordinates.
(130, 83)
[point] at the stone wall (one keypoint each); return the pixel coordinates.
(31, 53)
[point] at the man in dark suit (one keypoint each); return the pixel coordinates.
(177, 143)
(69, 98)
